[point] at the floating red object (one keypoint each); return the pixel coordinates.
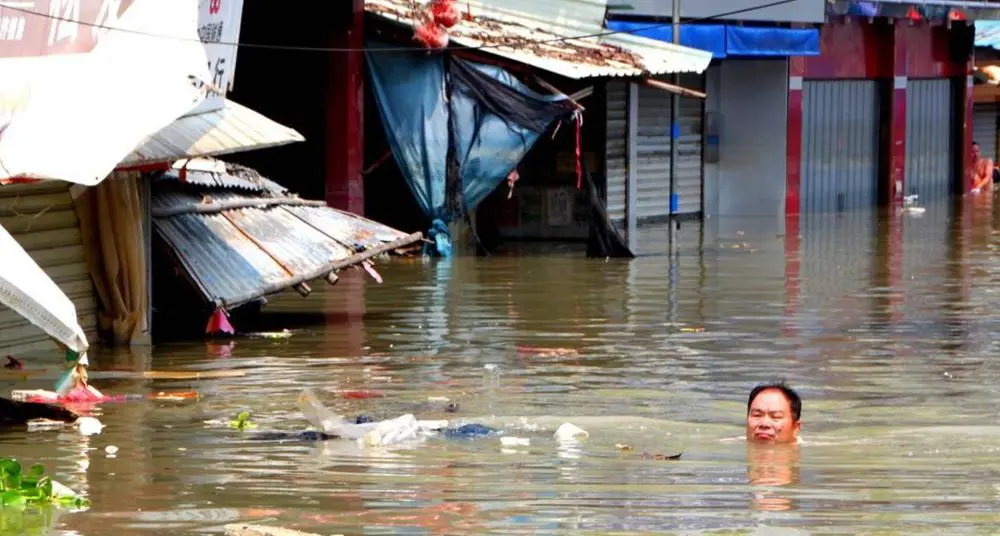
(360, 395)
(219, 323)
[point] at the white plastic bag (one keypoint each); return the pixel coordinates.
(392, 431)
(372, 434)
(329, 422)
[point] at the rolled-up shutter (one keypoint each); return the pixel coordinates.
(688, 184)
(840, 152)
(616, 147)
(653, 154)
(929, 150)
(41, 217)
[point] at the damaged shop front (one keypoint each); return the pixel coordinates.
(226, 237)
(77, 154)
(496, 135)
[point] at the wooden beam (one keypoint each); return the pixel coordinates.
(583, 93)
(559, 92)
(674, 89)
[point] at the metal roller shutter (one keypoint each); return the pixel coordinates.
(929, 150)
(42, 218)
(839, 145)
(689, 162)
(616, 149)
(984, 128)
(653, 154)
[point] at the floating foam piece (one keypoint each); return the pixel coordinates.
(570, 431)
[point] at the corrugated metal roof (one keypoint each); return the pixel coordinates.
(222, 175)
(230, 129)
(237, 245)
(988, 34)
(535, 32)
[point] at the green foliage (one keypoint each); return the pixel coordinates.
(33, 488)
(242, 421)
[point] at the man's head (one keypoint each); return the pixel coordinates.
(975, 151)
(773, 413)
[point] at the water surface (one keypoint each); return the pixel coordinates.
(886, 324)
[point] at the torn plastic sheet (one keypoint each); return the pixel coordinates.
(372, 434)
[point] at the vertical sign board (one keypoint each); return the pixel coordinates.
(219, 29)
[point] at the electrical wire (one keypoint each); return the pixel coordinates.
(295, 48)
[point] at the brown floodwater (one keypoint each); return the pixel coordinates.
(886, 324)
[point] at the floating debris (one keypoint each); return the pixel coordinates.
(547, 352)
(568, 431)
(648, 456)
(515, 441)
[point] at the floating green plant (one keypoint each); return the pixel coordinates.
(31, 488)
(242, 421)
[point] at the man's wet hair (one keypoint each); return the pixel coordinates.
(793, 398)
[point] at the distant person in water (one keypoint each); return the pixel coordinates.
(981, 173)
(773, 413)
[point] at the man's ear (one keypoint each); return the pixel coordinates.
(796, 426)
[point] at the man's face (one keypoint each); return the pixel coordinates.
(770, 419)
(975, 151)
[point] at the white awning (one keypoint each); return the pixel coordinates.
(566, 37)
(231, 129)
(26, 289)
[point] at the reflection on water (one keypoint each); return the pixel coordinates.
(886, 325)
(772, 466)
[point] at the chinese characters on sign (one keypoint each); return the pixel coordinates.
(210, 33)
(219, 29)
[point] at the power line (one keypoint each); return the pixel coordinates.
(294, 48)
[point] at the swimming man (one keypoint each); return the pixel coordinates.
(773, 413)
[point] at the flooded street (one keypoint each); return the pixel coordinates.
(886, 325)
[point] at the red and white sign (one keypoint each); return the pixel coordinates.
(219, 29)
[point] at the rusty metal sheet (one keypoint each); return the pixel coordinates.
(566, 37)
(235, 253)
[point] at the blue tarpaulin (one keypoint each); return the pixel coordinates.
(411, 94)
(710, 37)
(724, 40)
(780, 42)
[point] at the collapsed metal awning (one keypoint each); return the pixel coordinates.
(566, 37)
(239, 236)
(230, 129)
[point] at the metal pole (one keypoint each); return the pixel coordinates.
(674, 112)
